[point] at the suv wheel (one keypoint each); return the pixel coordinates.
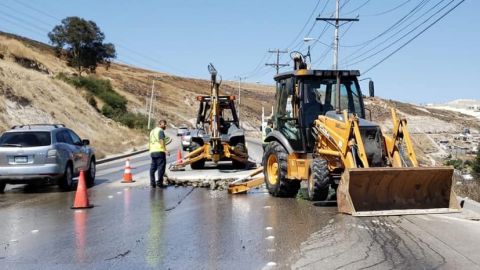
(90, 174)
(2, 187)
(66, 183)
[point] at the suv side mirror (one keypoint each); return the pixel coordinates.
(371, 88)
(86, 142)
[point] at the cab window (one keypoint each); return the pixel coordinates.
(318, 96)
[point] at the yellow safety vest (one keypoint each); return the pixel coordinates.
(155, 143)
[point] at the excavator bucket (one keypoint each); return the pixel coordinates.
(397, 191)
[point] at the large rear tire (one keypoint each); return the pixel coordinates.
(275, 171)
(319, 180)
(199, 164)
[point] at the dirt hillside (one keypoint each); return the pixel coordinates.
(30, 92)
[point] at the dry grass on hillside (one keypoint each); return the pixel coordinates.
(176, 95)
(11, 49)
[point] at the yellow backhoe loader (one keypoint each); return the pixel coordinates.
(320, 135)
(218, 135)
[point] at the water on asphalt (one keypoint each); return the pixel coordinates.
(134, 227)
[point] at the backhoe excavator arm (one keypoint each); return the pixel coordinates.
(394, 144)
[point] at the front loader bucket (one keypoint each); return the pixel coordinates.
(396, 191)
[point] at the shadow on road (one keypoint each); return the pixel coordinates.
(326, 204)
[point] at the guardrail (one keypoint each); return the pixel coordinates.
(105, 160)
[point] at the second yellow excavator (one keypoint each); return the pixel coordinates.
(321, 135)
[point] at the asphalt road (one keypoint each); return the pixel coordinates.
(134, 227)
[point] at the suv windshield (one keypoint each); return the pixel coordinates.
(319, 96)
(25, 139)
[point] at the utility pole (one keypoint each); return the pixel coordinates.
(239, 94)
(277, 65)
(151, 104)
(336, 42)
(337, 25)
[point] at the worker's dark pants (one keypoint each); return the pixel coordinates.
(159, 162)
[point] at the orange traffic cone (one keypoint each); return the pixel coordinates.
(179, 157)
(81, 196)
(127, 175)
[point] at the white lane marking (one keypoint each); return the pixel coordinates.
(271, 250)
(34, 231)
(14, 241)
(268, 228)
(272, 264)
(267, 206)
(110, 196)
(119, 192)
(271, 237)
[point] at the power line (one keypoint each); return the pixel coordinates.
(413, 38)
(37, 10)
(305, 25)
(409, 32)
(36, 27)
(301, 43)
(25, 14)
(358, 8)
(259, 66)
(24, 22)
(29, 29)
(387, 11)
(392, 27)
(153, 60)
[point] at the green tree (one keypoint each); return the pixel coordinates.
(82, 43)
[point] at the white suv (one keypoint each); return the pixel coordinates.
(44, 153)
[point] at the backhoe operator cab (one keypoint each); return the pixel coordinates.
(302, 95)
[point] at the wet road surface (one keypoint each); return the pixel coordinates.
(134, 227)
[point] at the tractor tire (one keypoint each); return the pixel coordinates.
(241, 148)
(319, 180)
(2, 187)
(275, 171)
(199, 164)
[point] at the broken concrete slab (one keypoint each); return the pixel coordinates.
(212, 176)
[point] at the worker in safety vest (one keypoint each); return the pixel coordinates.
(158, 152)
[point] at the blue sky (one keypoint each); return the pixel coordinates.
(182, 37)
